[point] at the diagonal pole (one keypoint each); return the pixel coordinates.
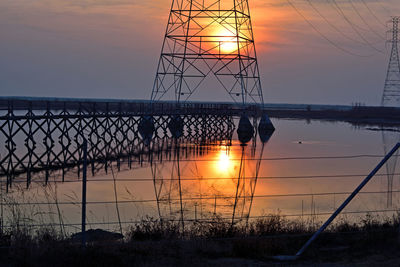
(344, 204)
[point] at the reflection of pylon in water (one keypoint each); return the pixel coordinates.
(253, 182)
(389, 139)
(185, 191)
(240, 196)
(181, 197)
(205, 39)
(391, 98)
(246, 186)
(168, 192)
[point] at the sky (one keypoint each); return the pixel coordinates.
(309, 51)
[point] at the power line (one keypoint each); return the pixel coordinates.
(25, 170)
(341, 13)
(202, 198)
(150, 179)
(323, 35)
(331, 24)
(372, 13)
(352, 25)
(365, 22)
(384, 8)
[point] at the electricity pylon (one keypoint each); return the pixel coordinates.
(391, 98)
(206, 38)
(391, 92)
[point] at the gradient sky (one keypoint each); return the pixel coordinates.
(110, 48)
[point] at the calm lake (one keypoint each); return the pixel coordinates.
(304, 171)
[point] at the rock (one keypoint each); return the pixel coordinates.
(97, 235)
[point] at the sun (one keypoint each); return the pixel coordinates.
(227, 41)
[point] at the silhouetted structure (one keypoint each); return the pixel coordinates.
(391, 98)
(208, 38)
(391, 92)
(38, 135)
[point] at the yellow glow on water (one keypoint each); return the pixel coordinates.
(224, 163)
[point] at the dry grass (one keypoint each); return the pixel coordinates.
(215, 242)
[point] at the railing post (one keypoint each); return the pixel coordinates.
(84, 192)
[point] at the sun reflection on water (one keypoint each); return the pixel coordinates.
(224, 163)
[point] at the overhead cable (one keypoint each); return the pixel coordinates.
(323, 35)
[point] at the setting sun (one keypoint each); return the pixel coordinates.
(227, 41)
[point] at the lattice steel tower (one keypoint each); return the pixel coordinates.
(391, 92)
(391, 98)
(205, 39)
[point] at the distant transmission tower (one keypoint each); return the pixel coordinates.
(391, 98)
(205, 39)
(391, 92)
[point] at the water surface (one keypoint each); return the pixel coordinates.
(304, 171)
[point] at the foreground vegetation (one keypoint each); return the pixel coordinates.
(151, 242)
